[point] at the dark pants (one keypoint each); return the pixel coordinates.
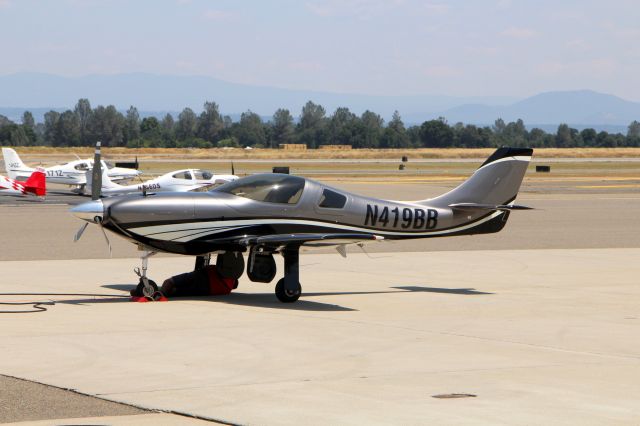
(194, 283)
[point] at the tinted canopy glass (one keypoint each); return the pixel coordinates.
(182, 175)
(283, 189)
(202, 174)
(332, 200)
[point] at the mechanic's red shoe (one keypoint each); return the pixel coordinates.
(159, 297)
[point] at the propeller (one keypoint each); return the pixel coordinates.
(233, 171)
(95, 208)
(104, 234)
(96, 175)
(80, 232)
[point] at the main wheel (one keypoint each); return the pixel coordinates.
(287, 296)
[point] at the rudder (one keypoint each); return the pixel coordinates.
(37, 183)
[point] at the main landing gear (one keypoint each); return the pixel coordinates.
(288, 289)
(262, 268)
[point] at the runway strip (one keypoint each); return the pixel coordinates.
(560, 220)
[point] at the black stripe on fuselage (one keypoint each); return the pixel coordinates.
(226, 240)
(409, 233)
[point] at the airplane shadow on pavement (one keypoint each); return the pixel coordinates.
(268, 300)
(406, 289)
(262, 300)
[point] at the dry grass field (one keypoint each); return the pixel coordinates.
(447, 164)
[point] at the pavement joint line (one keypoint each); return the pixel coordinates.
(77, 392)
(198, 417)
(139, 407)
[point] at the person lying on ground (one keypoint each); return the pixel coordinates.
(206, 281)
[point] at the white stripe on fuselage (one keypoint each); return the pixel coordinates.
(181, 231)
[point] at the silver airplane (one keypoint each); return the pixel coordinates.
(269, 214)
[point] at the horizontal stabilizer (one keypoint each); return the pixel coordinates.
(476, 206)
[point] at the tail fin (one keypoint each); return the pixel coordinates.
(107, 183)
(13, 163)
(495, 183)
(484, 201)
(37, 183)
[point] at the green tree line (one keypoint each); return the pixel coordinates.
(84, 125)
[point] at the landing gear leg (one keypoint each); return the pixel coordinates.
(146, 287)
(202, 262)
(288, 289)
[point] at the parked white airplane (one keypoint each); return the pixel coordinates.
(34, 185)
(72, 173)
(177, 181)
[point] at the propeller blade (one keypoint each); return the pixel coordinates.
(104, 233)
(96, 175)
(80, 232)
(233, 171)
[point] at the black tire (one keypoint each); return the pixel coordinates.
(284, 296)
(138, 290)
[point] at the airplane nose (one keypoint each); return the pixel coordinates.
(93, 211)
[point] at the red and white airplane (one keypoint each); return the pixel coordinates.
(36, 185)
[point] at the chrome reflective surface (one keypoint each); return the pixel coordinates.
(93, 211)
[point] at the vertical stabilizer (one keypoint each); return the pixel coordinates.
(496, 182)
(37, 183)
(13, 164)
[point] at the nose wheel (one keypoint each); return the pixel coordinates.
(145, 287)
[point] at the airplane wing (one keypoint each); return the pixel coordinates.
(278, 241)
(476, 206)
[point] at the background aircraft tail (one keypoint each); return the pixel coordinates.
(107, 183)
(37, 183)
(13, 163)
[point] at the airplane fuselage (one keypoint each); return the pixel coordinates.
(197, 223)
(72, 173)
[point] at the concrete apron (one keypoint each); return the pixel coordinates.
(539, 336)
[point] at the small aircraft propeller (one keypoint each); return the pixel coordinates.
(80, 232)
(96, 187)
(96, 175)
(104, 234)
(233, 171)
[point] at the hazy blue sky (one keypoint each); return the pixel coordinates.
(492, 47)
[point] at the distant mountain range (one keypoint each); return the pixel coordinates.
(158, 94)
(579, 108)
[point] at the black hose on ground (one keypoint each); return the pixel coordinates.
(40, 306)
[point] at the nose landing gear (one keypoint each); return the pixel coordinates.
(146, 287)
